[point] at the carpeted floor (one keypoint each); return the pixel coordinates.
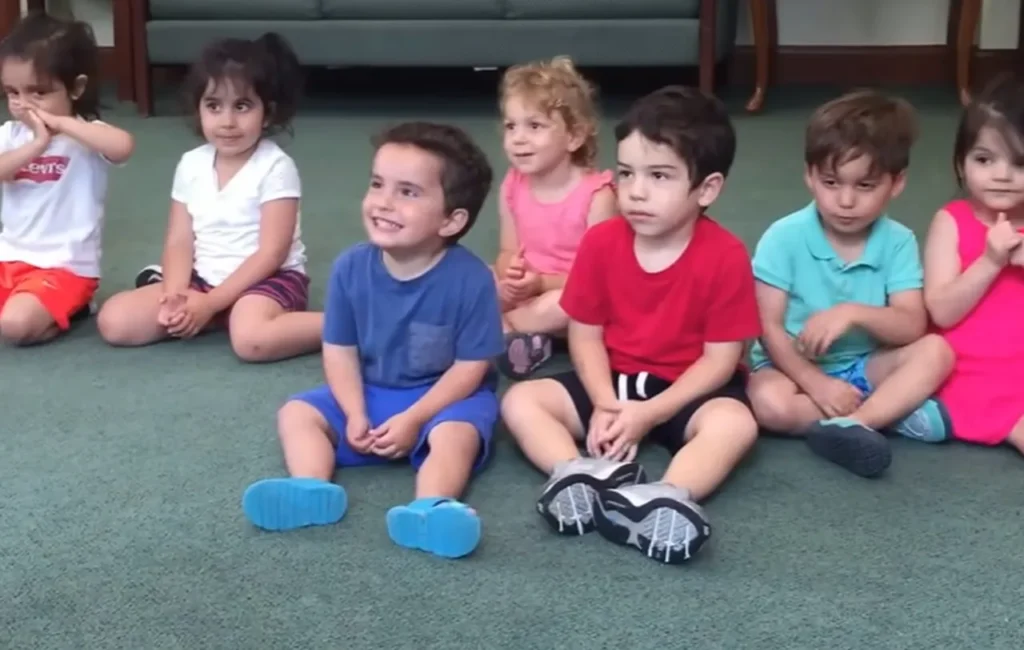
(122, 472)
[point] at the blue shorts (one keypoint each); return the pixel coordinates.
(854, 374)
(479, 409)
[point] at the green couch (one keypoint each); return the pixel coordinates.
(471, 33)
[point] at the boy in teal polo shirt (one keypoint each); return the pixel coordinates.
(844, 352)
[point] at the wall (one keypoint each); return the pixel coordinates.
(801, 22)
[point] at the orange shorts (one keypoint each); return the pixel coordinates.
(61, 292)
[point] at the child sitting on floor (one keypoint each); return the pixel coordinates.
(550, 196)
(974, 271)
(410, 330)
(844, 352)
(54, 159)
(233, 254)
(661, 302)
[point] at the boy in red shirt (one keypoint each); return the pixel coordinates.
(661, 301)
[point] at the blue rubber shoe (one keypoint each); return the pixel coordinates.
(851, 445)
(444, 527)
(290, 503)
(929, 423)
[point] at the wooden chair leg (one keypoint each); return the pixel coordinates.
(761, 26)
(142, 71)
(967, 28)
(10, 14)
(707, 36)
(123, 50)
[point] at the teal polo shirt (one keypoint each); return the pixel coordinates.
(794, 255)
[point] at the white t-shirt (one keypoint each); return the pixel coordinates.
(226, 221)
(53, 208)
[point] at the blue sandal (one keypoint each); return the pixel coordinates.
(290, 503)
(444, 527)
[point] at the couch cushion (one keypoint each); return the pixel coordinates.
(412, 9)
(584, 9)
(234, 9)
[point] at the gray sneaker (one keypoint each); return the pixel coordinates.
(567, 500)
(659, 519)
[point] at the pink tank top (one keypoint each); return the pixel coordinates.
(985, 393)
(550, 233)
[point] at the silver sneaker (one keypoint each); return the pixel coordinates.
(659, 519)
(567, 500)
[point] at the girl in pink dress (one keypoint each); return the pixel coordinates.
(550, 196)
(974, 271)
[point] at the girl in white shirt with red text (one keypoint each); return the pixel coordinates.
(54, 158)
(233, 254)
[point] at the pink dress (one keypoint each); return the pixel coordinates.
(985, 392)
(550, 233)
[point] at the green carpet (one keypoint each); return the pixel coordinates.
(120, 520)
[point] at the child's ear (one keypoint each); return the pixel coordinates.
(81, 83)
(899, 182)
(454, 223)
(710, 189)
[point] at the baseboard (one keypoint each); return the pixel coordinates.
(871, 65)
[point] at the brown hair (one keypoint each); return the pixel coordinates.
(862, 123)
(557, 88)
(1000, 106)
(466, 174)
(695, 125)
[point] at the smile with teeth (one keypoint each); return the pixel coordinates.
(386, 225)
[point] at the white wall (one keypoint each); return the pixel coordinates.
(801, 22)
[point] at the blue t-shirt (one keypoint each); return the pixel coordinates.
(794, 255)
(410, 332)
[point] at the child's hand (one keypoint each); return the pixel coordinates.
(396, 437)
(171, 311)
(198, 313)
(631, 423)
(597, 430)
(42, 133)
(516, 267)
(1001, 241)
(53, 122)
(835, 397)
(823, 329)
(526, 287)
(357, 433)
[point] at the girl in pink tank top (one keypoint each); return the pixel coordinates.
(550, 196)
(974, 271)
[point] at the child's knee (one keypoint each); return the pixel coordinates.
(454, 439)
(294, 416)
(522, 398)
(24, 321)
(772, 407)
(248, 345)
(937, 351)
(731, 421)
(121, 322)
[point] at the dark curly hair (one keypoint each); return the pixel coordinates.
(59, 50)
(466, 174)
(267, 65)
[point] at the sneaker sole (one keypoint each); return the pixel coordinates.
(290, 503)
(660, 528)
(864, 452)
(445, 531)
(568, 504)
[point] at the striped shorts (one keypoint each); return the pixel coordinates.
(290, 289)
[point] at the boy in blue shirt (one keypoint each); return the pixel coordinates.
(411, 325)
(844, 352)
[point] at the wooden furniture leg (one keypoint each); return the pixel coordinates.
(123, 50)
(10, 14)
(141, 70)
(707, 35)
(762, 17)
(967, 28)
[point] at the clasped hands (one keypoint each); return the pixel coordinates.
(393, 439)
(519, 282)
(834, 397)
(616, 429)
(184, 315)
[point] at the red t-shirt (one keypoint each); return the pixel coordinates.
(659, 322)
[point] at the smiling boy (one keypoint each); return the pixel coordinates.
(844, 352)
(411, 325)
(661, 302)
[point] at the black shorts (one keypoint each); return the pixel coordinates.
(644, 386)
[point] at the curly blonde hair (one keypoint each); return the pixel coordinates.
(557, 87)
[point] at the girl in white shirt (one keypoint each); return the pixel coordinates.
(54, 159)
(233, 254)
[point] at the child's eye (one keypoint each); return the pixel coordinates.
(375, 184)
(623, 173)
(241, 107)
(659, 176)
(509, 126)
(409, 193)
(828, 182)
(867, 187)
(536, 125)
